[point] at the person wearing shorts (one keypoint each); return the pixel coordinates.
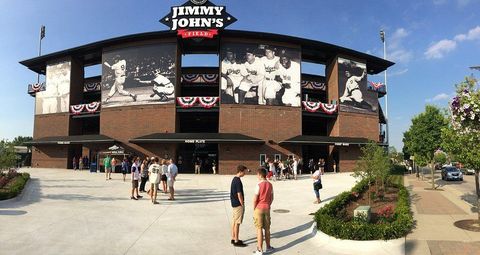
(172, 173)
(164, 178)
(262, 202)
(154, 178)
(107, 162)
(135, 177)
(237, 199)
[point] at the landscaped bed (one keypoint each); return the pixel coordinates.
(390, 211)
(12, 183)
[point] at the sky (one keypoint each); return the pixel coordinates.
(432, 42)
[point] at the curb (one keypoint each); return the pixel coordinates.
(19, 196)
(373, 247)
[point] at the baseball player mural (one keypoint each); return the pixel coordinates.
(254, 74)
(352, 87)
(56, 97)
(139, 75)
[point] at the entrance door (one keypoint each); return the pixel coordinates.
(207, 153)
(314, 152)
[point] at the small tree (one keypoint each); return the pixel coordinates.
(424, 137)
(373, 165)
(440, 157)
(7, 155)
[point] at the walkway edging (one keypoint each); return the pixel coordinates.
(330, 243)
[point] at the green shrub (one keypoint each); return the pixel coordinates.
(14, 187)
(328, 221)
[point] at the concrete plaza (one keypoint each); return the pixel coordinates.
(77, 212)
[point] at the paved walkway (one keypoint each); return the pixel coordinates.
(435, 212)
(66, 212)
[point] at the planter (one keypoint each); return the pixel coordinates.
(373, 247)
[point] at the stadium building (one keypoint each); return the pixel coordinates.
(255, 103)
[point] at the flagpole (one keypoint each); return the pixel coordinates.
(42, 34)
(382, 37)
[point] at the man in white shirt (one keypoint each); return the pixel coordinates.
(162, 86)
(231, 77)
(270, 87)
(154, 172)
(253, 73)
(289, 76)
(172, 173)
(120, 68)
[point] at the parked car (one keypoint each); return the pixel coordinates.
(467, 171)
(452, 173)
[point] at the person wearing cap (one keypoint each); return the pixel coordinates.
(237, 199)
(231, 76)
(253, 73)
(269, 87)
(162, 86)
(289, 76)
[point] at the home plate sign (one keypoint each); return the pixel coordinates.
(198, 19)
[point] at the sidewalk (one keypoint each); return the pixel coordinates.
(434, 213)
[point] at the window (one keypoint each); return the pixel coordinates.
(263, 157)
(278, 157)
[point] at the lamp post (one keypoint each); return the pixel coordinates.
(42, 35)
(387, 135)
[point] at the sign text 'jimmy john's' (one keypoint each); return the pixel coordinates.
(198, 20)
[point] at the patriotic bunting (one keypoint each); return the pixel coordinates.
(200, 78)
(90, 108)
(315, 106)
(187, 102)
(314, 85)
(376, 85)
(77, 109)
(36, 87)
(208, 102)
(91, 86)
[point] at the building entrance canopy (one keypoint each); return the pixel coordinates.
(189, 138)
(74, 139)
(325, 140)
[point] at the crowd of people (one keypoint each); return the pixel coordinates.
(151, 169)
(80, 163)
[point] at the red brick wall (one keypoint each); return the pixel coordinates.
(272, 124)
(50, 156)
(348, 158)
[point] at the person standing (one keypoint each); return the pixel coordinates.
(214, 166)
(198, 165)
(262, 202)
(172, 173)
(107, 163)
(295, 167)
(311, 165)
(114, 164)
(154, 178)
(237, 199)
(144, 175)
(135, 176)
(74, 163)
(164, 175)
(317, 184)
(334, 166)
(125, 167)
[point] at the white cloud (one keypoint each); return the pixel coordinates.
(396, 52)
(440, 48)
(399, 72)
(439, 97)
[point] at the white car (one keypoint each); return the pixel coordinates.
(468, 171)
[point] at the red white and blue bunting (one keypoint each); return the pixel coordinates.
(91, 86)
(200, 78)
(77, 109)
(376, 85)
(208, 102)
(36, 87)
(329, 108)
(315, 106)
(80, 108)
(314, 85)
(92, 107)
(187, 102)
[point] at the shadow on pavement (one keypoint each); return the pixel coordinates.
(471, 199)
(12, 212)
(31, 194)
(285, 233)
(193, 196)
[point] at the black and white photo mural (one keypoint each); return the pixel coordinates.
(260, 75)
(139, 75)
(354, 95)
(56, 97)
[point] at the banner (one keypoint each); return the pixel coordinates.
(56, 96)
(260, 75)
(139, 75)
(354, 95)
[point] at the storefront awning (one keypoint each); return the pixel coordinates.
(325, 140)
(74, 139)
(196, 138)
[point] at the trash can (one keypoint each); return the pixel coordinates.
(93, 167)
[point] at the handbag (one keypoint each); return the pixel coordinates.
(317, 185)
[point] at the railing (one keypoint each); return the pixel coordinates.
(318, 106)
(205, 102)
(36, 87)
(90, 108)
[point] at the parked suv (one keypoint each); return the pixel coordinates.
(451, 173)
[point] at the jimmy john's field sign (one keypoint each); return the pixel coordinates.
(196, 19)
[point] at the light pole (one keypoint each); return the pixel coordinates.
(42, 35)
(387, 135)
